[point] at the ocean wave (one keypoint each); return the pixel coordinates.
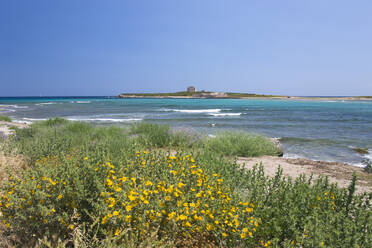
(22, 121)
(7, 108)
(290, 155)
(225, 114)
(13, 106)
(81, 102)
(368, 156)
(361, 165)
(34, 119)
(45, 103)
(104, 119)
(194, 111)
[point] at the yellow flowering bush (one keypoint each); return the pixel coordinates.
(171, 195)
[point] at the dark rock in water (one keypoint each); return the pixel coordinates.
(278, 145)
(360, 150)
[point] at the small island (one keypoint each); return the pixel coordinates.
(191, 92)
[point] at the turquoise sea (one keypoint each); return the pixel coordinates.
(320, 130)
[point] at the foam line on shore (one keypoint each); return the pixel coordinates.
(194, 111)
(225, 114)
(104, 119)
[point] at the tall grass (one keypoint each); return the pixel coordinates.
(89, 186)
(241, 144)
(5, 118)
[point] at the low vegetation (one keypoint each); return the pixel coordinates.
(5, 118)
(241, 144)
(189, 94)
(151, 186)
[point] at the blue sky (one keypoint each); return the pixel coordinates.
(76, 47)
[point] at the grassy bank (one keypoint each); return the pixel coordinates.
(149, 185)
(5, 118)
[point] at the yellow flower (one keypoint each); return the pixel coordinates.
(171, 215)
(249, 210)
(86, 158)
(128, 208)
(242, 235)
(71, 226)
(117, 232)
(128, 218)
(182, 217)
(109, 182)
(104, 220)
(116, 213)
(51, 181)
(59, 197)
(43, 178)
(245, 230)
(53, 210)
(131, 197)
(224, 235)
(148, 183)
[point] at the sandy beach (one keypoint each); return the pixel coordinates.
(5, 127)
(340, 173)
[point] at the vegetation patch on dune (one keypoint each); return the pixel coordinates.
(5, 118)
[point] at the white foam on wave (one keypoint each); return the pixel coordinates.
(6, 108)
(194, 111)
(104, 119)
(368, 156)
(34, 119)
(290, 155)
(13, 106)
(225, 114)
(45, 103)
(22, 121)
(79, 101)
(361, 165)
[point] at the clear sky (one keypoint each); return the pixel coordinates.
(76, 47)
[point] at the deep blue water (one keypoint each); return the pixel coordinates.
(322, 130)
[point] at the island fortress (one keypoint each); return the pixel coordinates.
(190, 92)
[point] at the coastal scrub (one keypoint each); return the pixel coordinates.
(92, 186)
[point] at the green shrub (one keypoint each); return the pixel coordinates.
(146, 193)
(151, 134)
(53, 122)
(241, 144)
(5, 118)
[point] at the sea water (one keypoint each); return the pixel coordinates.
(320, 130)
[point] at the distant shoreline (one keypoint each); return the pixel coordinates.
(248, 96)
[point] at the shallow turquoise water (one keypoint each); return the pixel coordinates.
(322, 130)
